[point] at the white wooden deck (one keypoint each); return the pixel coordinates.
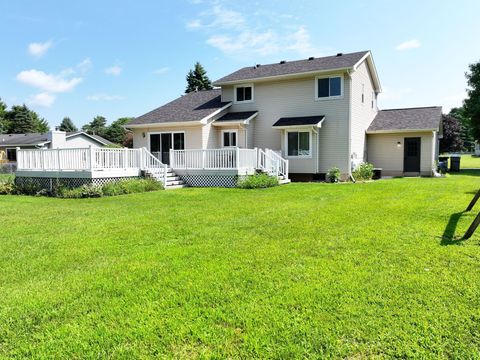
(97, 163)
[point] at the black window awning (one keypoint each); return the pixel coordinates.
(300, 121)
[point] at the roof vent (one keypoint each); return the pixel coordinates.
(311, 58)
(339, 54)
(256, 66)
(282, 62)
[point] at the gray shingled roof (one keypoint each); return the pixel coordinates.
(421, 118)
(294, 67)
(193, 106)
(37, 138)
(22, 139)
(298, 121)
(237, 116)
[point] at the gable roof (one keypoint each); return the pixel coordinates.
(300, 121)
(194, 106)
(408, 119)
(298, 67)
(35, 139)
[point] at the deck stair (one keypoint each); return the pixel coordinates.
(172, 180)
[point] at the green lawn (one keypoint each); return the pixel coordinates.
(470, 162)
(297, 271)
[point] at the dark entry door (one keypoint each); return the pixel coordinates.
(166, 140)
(411, 159)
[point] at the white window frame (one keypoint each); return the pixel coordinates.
(310, 149)
(235, 101)
(329, 97)
(230, 131)
(165, 132)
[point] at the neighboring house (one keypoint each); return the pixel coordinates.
(51, 140)
(318, 113)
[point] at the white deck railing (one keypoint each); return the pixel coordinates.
(214, 159)
(106, 159)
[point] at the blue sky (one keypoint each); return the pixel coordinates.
(124, 58)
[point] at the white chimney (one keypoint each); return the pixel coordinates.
(57, 139)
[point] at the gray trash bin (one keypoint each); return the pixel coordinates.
(455, 163)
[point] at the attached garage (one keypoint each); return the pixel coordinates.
(405, 142)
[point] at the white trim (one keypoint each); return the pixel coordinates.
(235, 101)
(399, 131)
(310, 148)
(208, 117)
(235, 122)
(342, 80)
(165, 124)
(373, 69)
(236, 137)
(280, 77)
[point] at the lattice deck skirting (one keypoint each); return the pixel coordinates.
(228, 181)
(49, 184)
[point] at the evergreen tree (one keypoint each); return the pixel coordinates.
(197, 79)
(67, 125)
(20, 120)
(472, 103)
(40, 124)
(98, 126)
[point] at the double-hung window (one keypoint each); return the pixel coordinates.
(243, 93)
(229, 138)
(298, 143)
(329, 87)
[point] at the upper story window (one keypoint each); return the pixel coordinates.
(330, 87)
(244, 93)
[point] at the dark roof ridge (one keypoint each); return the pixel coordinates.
(413, 108)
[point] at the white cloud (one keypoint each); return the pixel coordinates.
(104, 97)
(84, 65)
(39, 49)
(43, 99)
(194, 24)
(114, 70)
(237, 35)
(408, 45)
(48, 82)
(161, 71)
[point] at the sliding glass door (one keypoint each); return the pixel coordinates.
(161, 143)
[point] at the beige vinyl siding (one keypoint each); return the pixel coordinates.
(193, 135)
(81, 141)
(241, 135)
(362, 113)
(292, 98)
(383, 152)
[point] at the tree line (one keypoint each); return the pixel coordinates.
(19, 119)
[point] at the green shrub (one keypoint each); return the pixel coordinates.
(84, 191)
(363, 172)
(28, 187)
(131, 186)
(333, 175)
(7, 188)
(257, 181)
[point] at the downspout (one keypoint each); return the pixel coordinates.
(349, 161)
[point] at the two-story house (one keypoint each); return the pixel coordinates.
(316, 113)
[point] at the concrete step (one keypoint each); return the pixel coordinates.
(173, 187)
(284, 181)
(175, 182)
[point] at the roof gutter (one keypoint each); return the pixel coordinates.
(395, 131)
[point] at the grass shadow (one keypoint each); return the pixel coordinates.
(467, 172)
(448, 237)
